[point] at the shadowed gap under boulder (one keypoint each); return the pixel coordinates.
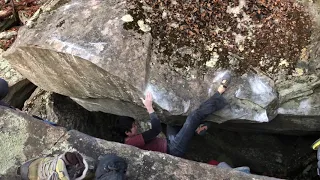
(66, 113)
(19, 93)
(276, 155)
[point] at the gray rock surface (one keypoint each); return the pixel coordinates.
(26, 138)
(19, 87)
(8, 35)
(67, 113)
(107, 68)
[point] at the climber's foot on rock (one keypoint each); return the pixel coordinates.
(226, 79)
(202, 129)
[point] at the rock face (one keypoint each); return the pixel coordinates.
(26, 138)
(66, 113)
(250, 147)
(19, 87)
(116, 53)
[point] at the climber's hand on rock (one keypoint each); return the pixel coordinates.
(148, 102)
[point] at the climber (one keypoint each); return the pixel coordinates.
(316, 146)
(177, 141)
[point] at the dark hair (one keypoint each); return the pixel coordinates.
(124, 124)
(4, 88)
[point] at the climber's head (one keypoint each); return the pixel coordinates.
(4, 88)
(127, 126)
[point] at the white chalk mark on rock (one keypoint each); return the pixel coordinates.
(262, 117)
(186, 105)
(236, 10)
(159, 96)
(127, 18)
(259, 87)
(144, 27)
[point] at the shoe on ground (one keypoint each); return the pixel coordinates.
(244, 169)
(68, 166)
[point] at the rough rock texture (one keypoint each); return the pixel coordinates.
(26, 138)
(274, 155)
(66, 113)
(106, 66)
(282, 124)
(19, 87)
(238, 144)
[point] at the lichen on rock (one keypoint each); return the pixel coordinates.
(260, 32)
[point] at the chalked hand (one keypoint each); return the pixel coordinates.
(148, 102)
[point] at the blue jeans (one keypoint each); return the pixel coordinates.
(178, 140)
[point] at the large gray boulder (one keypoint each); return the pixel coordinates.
(106, 54)
(25, 138)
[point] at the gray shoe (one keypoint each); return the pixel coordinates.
(68, 166)
(224, 165)
(244, 169)
(227, 78)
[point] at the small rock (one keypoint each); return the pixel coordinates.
(241, 48)
(283, 62)
(23, 17)
(211, 46)
(32, 20)
(299, 72)
(127, 18)
(144, 27)
(174, 25)
(304, 54)
(213, 60)
(164, 15)
(270, 69)
(174, 2)
(8, 34)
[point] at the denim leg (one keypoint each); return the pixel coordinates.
(179, 145)
(172, 131)
(224, 165)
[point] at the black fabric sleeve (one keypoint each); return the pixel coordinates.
(155, 128)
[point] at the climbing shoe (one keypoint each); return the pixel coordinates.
(202, 129)
(226, 79)
(316, 144)
(68, 166)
